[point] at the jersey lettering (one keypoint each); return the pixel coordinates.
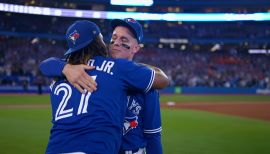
(61, 111)
(106, 66)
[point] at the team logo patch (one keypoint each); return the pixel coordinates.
(131, 119)
(74, 36)
(131, 20)
(129, 124)
(134, 106)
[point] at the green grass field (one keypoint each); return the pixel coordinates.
(184, 131)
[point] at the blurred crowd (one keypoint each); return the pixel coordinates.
(20, 57)
(195, 32)
(209, 54)
(208, 69)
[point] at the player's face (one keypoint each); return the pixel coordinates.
(123, 44)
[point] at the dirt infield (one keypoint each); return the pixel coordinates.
(255, 110)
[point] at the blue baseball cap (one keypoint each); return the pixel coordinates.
(80, 34)
(134, 26)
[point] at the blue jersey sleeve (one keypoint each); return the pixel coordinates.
(152, 123)
(52, 67)
(153, 145)
(137, 77)
(152, 117)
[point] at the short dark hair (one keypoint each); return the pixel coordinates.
(95, 48)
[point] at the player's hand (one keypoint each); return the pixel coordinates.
(77, 76)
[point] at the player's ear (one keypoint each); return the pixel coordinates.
(137, 48)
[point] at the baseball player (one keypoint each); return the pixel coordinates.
(92, 122)
(142, 124)
(142, 133)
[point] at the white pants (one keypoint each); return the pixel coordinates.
(140, 151)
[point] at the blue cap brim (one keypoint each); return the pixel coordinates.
(71, 50)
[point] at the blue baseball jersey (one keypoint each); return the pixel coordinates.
(142, 122)
(92, 122)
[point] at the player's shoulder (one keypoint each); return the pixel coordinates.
(124, 65)
(122, 61)
(118, 61)
(58, 83)
(136, 94)
(152, 93)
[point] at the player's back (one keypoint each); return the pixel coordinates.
(92, 122)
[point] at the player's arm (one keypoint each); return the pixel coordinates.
(75, 74)
(161, 79)
(152, 122)
(153, 145)
(52, 67)
(140, 77)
